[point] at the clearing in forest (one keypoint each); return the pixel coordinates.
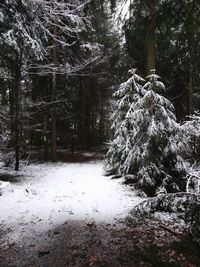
(45, 196)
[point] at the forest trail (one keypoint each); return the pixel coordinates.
(45, 196)
(71, 215)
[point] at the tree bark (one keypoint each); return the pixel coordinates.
(17, 106)
(53, 119)
(190, 7)
(53, 97)
(150, 40)
(45, 136)
(190, 91)
(12, 114)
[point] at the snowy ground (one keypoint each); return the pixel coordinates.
(50, 194)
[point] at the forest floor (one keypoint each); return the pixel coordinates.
(70, 214)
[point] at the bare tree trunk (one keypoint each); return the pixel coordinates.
(190, 90)
(150, 42)
(45, 136)
(12, 114)
(190, 7)
(17, 107)
(53, 119)
(53, 97)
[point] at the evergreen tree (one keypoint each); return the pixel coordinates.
(147, 141)
(38, 40)
(129, 92)
(167, 32)
(154, 156)
(191, 131)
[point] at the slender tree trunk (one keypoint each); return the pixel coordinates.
(150, 40)
(12, 114)
(190, 7)
(190, 91)
(45, 136)
(53, 119)
(17, 106)
(53, 97)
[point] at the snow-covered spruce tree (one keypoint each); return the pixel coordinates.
(129, 92)
(191, 131)
(154, 154)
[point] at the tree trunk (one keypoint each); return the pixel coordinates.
(12, 115)
(45, 136)
(150, 40)
(17, 106)
(190, 91)
(53, 119)
(53, 97)
(190, 7)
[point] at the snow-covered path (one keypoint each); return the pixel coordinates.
(51, 194)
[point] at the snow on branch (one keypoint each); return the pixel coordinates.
(31, 26)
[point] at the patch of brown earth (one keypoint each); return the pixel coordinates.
(133, 243)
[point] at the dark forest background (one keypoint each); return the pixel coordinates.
(56, 84)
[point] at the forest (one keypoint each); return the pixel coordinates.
(99, 133)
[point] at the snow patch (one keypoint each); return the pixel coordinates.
(51, 194)
(4, 186)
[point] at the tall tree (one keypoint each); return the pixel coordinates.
(150, 38)
(174, 27)
(22, 39)
(149, 141)
(29, 28)
(128, 93)
(54, 89)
